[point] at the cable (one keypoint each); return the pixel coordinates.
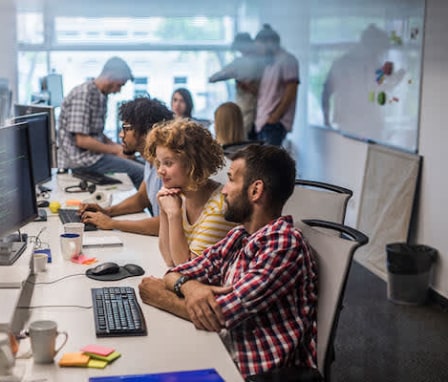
(54, 281)
(55, 306)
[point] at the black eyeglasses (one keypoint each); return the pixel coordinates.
(127, 127)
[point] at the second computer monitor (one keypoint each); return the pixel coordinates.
(40, 145)
(22, 109)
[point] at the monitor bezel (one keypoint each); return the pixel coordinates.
(25, 118)
(32, 192)
(24, 109)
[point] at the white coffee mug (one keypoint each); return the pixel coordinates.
(40, 262)
(6, 357)
(75, 228)
(43, 334)
(70, 245)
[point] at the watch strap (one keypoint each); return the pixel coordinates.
(178, 284)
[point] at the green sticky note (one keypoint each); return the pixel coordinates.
(372, 96)
(108, 358)
(97, 363)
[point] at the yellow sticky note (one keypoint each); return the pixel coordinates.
(109, 358)
(97, 364)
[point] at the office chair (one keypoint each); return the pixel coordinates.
(231, 148)
(318, 200)
(333, 254)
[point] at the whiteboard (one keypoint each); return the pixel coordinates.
(365, 69)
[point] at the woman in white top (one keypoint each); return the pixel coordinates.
(191, 204)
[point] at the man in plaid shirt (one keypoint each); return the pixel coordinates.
(81, 141)
(257, 286)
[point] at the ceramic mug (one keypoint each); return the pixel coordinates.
(70, 245)
(43, 334)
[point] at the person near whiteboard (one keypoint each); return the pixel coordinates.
(277, 93)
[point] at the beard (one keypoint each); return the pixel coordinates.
(240, 211)
(129, 152)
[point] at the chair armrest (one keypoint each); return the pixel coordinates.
(287, 374)
(352, 233)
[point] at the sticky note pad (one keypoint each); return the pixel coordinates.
(108, 358)
(74, 359)
(98, 349)
(97, 364)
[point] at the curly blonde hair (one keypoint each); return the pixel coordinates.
(195, 146)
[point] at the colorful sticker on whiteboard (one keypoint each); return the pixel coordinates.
(381, 98)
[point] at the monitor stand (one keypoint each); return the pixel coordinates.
(11, 251)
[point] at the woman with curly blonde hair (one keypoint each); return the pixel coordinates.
(191, 204)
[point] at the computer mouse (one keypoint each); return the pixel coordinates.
(105, 269)
(134, 269)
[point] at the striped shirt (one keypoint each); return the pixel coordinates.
(210, 227)
(82, 111)
(270, 315)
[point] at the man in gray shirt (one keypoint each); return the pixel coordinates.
(81, 138)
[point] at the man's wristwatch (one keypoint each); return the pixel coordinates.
(178, 284)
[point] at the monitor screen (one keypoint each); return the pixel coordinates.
(40, 145)
(55, 89)
(20, 109)
(18, 193)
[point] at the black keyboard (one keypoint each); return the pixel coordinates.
(95, 177)
(70, 215)
(117, 312)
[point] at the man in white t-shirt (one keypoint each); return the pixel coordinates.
(277, 93)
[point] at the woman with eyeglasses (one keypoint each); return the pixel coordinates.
(191, 204)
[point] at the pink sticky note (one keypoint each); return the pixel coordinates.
(98, 349)
(83, 259)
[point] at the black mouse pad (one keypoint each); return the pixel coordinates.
(123, 273)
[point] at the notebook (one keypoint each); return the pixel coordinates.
(101, 241)
(204, 375)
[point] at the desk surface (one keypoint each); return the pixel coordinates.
(172, 343)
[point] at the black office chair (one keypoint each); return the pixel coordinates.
(230, 148)
(333, 254)
(318, 200)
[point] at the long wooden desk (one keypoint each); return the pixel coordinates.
(172, 343)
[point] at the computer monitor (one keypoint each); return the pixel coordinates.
(21, 109)
(18, 195)
(39, 130)
(55, 89)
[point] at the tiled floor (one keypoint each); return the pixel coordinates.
(379, 341)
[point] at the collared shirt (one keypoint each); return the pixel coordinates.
(153, 185)
(270, 315)
(83, 111)
(283, 70)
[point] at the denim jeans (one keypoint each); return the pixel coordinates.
(272, 134)
(112, 163)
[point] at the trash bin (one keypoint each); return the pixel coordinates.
(408, 272)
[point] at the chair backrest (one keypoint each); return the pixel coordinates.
(333, 254)
(317, 200)
(231, 148)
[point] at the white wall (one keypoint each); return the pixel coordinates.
(8, 67)
(341, 160)
(433, 211)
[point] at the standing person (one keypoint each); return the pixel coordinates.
(81, 138)
(277, 94)
(257, 286)
(191, 203)
(182, 103)
(138, 116)
(247, 70)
